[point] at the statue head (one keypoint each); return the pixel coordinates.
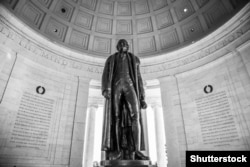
(122, 45)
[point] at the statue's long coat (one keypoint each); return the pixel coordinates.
(108, 137)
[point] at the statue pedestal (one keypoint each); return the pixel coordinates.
(127, 163)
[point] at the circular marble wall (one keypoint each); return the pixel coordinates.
(33, 57)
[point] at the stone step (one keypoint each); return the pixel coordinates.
(127, 163)
(130, 166)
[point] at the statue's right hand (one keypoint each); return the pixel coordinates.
(107, 94)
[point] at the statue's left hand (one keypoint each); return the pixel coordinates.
(143, 104)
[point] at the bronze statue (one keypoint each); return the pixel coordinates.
(123, 90)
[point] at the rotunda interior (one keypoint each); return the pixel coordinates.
(195, 65)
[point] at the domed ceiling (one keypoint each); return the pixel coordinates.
(150, 26)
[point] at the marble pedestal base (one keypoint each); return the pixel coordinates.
(127, 163)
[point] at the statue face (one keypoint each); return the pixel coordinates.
(122, 45)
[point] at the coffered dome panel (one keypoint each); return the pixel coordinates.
(79, 40)
(32, 14)
(144, 25)
(191, 29)
(164, 19)
(84, 20)
(184, 9)
(169, 39)
(124, 27)
(56, 30)
(152, 27)
(102, 45)
(141, 7)
(146, 45)
(158, 4)
(64, 9)
(215, 13)
(88, 4)
(45, 3)
(104, 25)
(124, 8)
(106, 7)
(201, 3)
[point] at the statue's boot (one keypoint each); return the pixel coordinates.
(140, 156)
(116, 156)
(137, 139)
(136, 132)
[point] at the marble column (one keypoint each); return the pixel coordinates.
(98, 134)
(145, 125)
(145, 130)
(172, 121)
(78, 141)
(160, 135)
(88, 152)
